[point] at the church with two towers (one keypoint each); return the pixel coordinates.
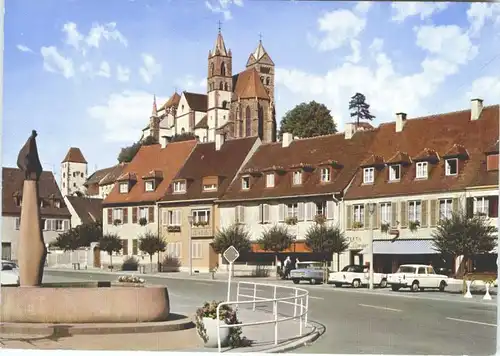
(237, 105)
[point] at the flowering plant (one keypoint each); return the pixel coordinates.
(130, 279)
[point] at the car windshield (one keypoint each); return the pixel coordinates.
(352, 269)
(308, 265)
(406, 269)
(430, 270)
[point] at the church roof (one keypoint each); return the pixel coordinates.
(197, 102)
(219, 47)
(202, 124)
(249, 85)
(173, 101)
(74, 155)
(259, 51)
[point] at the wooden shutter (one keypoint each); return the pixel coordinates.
(164, 216)
(125, 215)
(309, 211)
(134, 247)
(261, 213)
(469, 206)
(179, 217)
(110, 217)
(376, 214)
(301, 212)
(65, 225)
(394, 214)
(237, 214)
(424, 214)
(454, 205)
(281, 212)
(329, 209)
(366, 223)
(134, 214)
(348, 217)
(433, 212)
(48, 224)
(151, 217)
(242, 214)
(125, 247)
(266, 213)
(404, 214)
(493, 206)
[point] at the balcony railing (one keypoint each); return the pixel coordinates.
(202, 231)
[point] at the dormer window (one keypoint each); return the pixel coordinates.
(269, 180)
(180, 186)
(422, 170)
(245, 183)
(149, 185)
(325, 175)
(209, 187)
(451, 166)
(368, 175)
(123, 188)
(395, 172)
(297, 178)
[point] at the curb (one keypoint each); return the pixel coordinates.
(66, 330)
(303, 341)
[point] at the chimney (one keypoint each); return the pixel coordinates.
(350, 130)
(476, 108)
(287, 139)
(219, 141)
(400, 121)
(164, 141)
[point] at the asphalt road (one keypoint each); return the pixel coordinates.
(358, 322)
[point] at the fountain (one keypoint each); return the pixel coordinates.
(77, 305)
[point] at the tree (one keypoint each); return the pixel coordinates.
(152, 243)
(359, 108)
(127, 154)
(186, 136)
(67, 241)
(328, 240)
(80, 236)
(110, 243)
(234, 235)
(276, 239)
(463, 235)
(308, 120)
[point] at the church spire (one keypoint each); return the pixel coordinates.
(220, 47)
(259, 51)
(154, 113)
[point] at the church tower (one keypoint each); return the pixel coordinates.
(154, 122)
(219, 86)
(73, 172)
(262, 62)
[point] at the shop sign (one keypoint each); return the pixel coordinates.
(356, 243)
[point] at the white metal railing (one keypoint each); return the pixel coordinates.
(300, 302)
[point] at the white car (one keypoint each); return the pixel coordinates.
(9, 275)
(417, 277)
(356, 276)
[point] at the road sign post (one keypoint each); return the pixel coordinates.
(231, 254)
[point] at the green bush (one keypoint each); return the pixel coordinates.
(130, 264)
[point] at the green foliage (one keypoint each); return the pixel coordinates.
(151, 243)
(308, 120)
(359, 108)
(149, 140)
(186, 136)
(130, 264)
(276, 239)
(170, 264)
(110, 243)
(327, 239)
(464, 236)
(80, 236)
(234, 235)
(127, 154)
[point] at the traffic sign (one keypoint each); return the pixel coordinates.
(231, 254)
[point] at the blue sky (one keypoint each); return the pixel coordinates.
(83, 72)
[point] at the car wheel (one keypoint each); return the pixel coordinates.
(442, 286)
(338, 285)
(312, 281)
(383, 283)
(415, 286)
(356, 283)
(295, 281)
(395, 288)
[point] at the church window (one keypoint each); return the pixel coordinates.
(221, 86)
(226, 87)
(212, 69)
(248, 122)
(262, 79)
(268, 81)
(223, 69)
(224, 104)
(183, 131)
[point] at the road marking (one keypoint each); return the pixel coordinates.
(377, 307)
(313, 297)
(472, 322)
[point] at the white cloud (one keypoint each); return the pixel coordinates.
(96, 35)
(86, 68)
(104, 70)
(223, 6)
(122, 73)
(150, 68)
(124, 115)
(355, 56)
(190, 83)
(486, 88)
(339, 27)
(73, 37)
(363, 6)
(479, 13)
(54, 62)
(403, 10)
(24, 48)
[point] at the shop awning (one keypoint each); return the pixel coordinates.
(402, 247)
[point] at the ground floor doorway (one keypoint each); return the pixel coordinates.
(355, 257)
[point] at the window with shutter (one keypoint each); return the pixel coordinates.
(151, 214)
(125, 247)
(493, 206)
(266, 213)
(281, 212)
(329, 209)
(134, 246)
(164, 217)
(394, 214)
(300, 213)
(134, 215)
(405, 211)
(110, 217)
(242, 214)
(455, 205)
(375, 219)
(349, 215)
(433, 213)
(66, 225)
(309, 211)
(367, 216)
(125, 215)
(261, 213)
(424, 217)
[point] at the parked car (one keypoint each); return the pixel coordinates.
(308, 271)
(9, 275)
(356, 276)
(417, 277)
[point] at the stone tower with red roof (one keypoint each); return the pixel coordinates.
(73, 172)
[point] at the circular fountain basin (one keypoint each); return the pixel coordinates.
(94, 302)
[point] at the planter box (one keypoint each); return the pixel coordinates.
(211, 332)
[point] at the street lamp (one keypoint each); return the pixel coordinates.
(371, 210)
(190, 220)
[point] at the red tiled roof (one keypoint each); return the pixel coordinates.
(113, 174)
(248, 85)
(202, 124)
(173, 101)
(399, 157)
(12, 185)
(197, 102)
(88, 209)
(373, 160)
(316, 152)
(206, 161)
(168, 160)
(74, 155)
(419, 137)
(457, 151)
